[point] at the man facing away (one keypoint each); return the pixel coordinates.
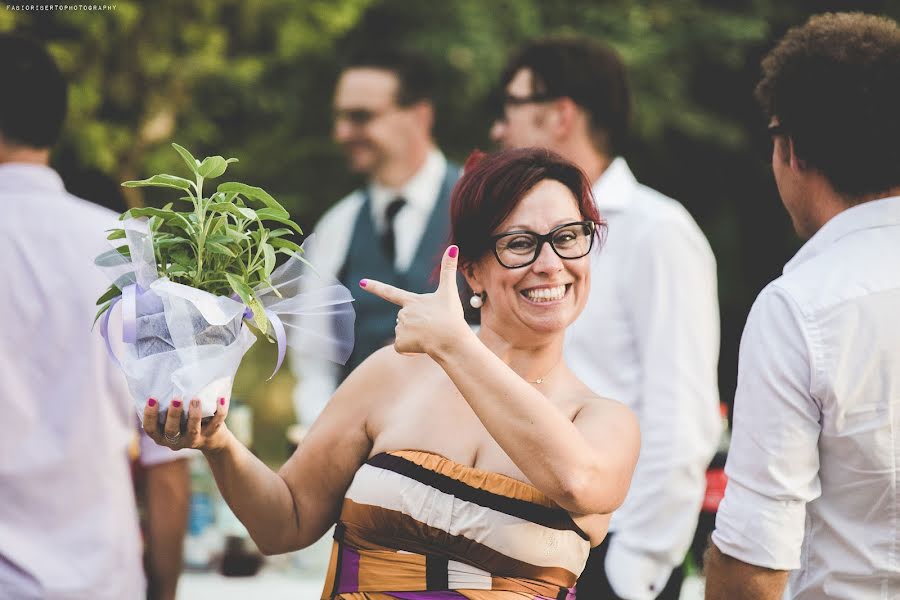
(649, 335)
(68, 522)
(812, 502)
(396, 227)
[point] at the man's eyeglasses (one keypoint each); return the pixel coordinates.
(515, 249)
(510, 100)
(359, 117)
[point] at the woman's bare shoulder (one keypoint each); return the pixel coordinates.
(591, 402)
(596, 411)
(608, 407)
(387, 362)
(386, 368)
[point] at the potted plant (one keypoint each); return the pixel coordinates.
(192, 282)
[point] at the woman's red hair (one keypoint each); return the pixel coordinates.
(493, 184)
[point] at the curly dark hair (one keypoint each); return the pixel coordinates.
(833, 84)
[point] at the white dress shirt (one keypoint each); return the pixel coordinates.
(814, 463)
(318, 378)
(649, 338)
(68, 522)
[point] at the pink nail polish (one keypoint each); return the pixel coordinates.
(151, 402)
(222, 401)
(454, 250)
(363, 282)
(176, 403)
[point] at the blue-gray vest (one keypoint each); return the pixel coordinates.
(375, 317)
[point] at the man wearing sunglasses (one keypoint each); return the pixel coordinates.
(649, 335)
(395, 227)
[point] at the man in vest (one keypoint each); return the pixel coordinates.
(396, 227)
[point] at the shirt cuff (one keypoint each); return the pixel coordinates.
(634, 575)
(759, 530)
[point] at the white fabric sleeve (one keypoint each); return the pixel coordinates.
(773, 462)
(675, 314)
(317, 377)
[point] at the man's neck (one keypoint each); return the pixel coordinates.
(396, 174)
(583, 153)
(24, 154)
(888, 193)
(823, 203)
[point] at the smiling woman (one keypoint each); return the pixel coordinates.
(460, 465)
(512, 205)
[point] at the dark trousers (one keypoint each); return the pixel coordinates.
(593, 584)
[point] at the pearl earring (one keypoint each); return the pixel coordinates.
(476, 301)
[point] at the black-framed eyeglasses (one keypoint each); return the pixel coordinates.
(515, 249)
(360, 117)
(510, 100)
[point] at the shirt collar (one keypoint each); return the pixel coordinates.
(16, 177)
(884, 212)
(420, 191)
(613, 189)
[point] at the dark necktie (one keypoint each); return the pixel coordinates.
(388, 239)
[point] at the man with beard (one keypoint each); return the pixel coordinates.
(395, 228)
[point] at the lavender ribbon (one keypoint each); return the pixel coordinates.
(280, 336)
(129, 313)
(104, 331)
(129, 324)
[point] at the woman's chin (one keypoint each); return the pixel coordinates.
(548, 324)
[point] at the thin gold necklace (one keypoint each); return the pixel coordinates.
(540, 380)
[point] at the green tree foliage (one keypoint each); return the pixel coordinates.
(206, 73)
(254, 78)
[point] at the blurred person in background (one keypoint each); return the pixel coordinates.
(394, 228)
(812, 499)
(455, 464)
(649, 335)
(68, 521)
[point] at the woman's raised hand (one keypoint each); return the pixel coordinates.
(207, 437)
(427, 323)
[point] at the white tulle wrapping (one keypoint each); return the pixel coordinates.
(189, 343)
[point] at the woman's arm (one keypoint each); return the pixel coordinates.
(585, 466)
(294, 507)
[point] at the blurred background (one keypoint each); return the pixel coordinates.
(253, 79)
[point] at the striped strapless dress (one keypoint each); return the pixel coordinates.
(418, 526)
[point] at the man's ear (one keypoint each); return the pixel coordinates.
(424, 113)
(797, 163)
(563, 116)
